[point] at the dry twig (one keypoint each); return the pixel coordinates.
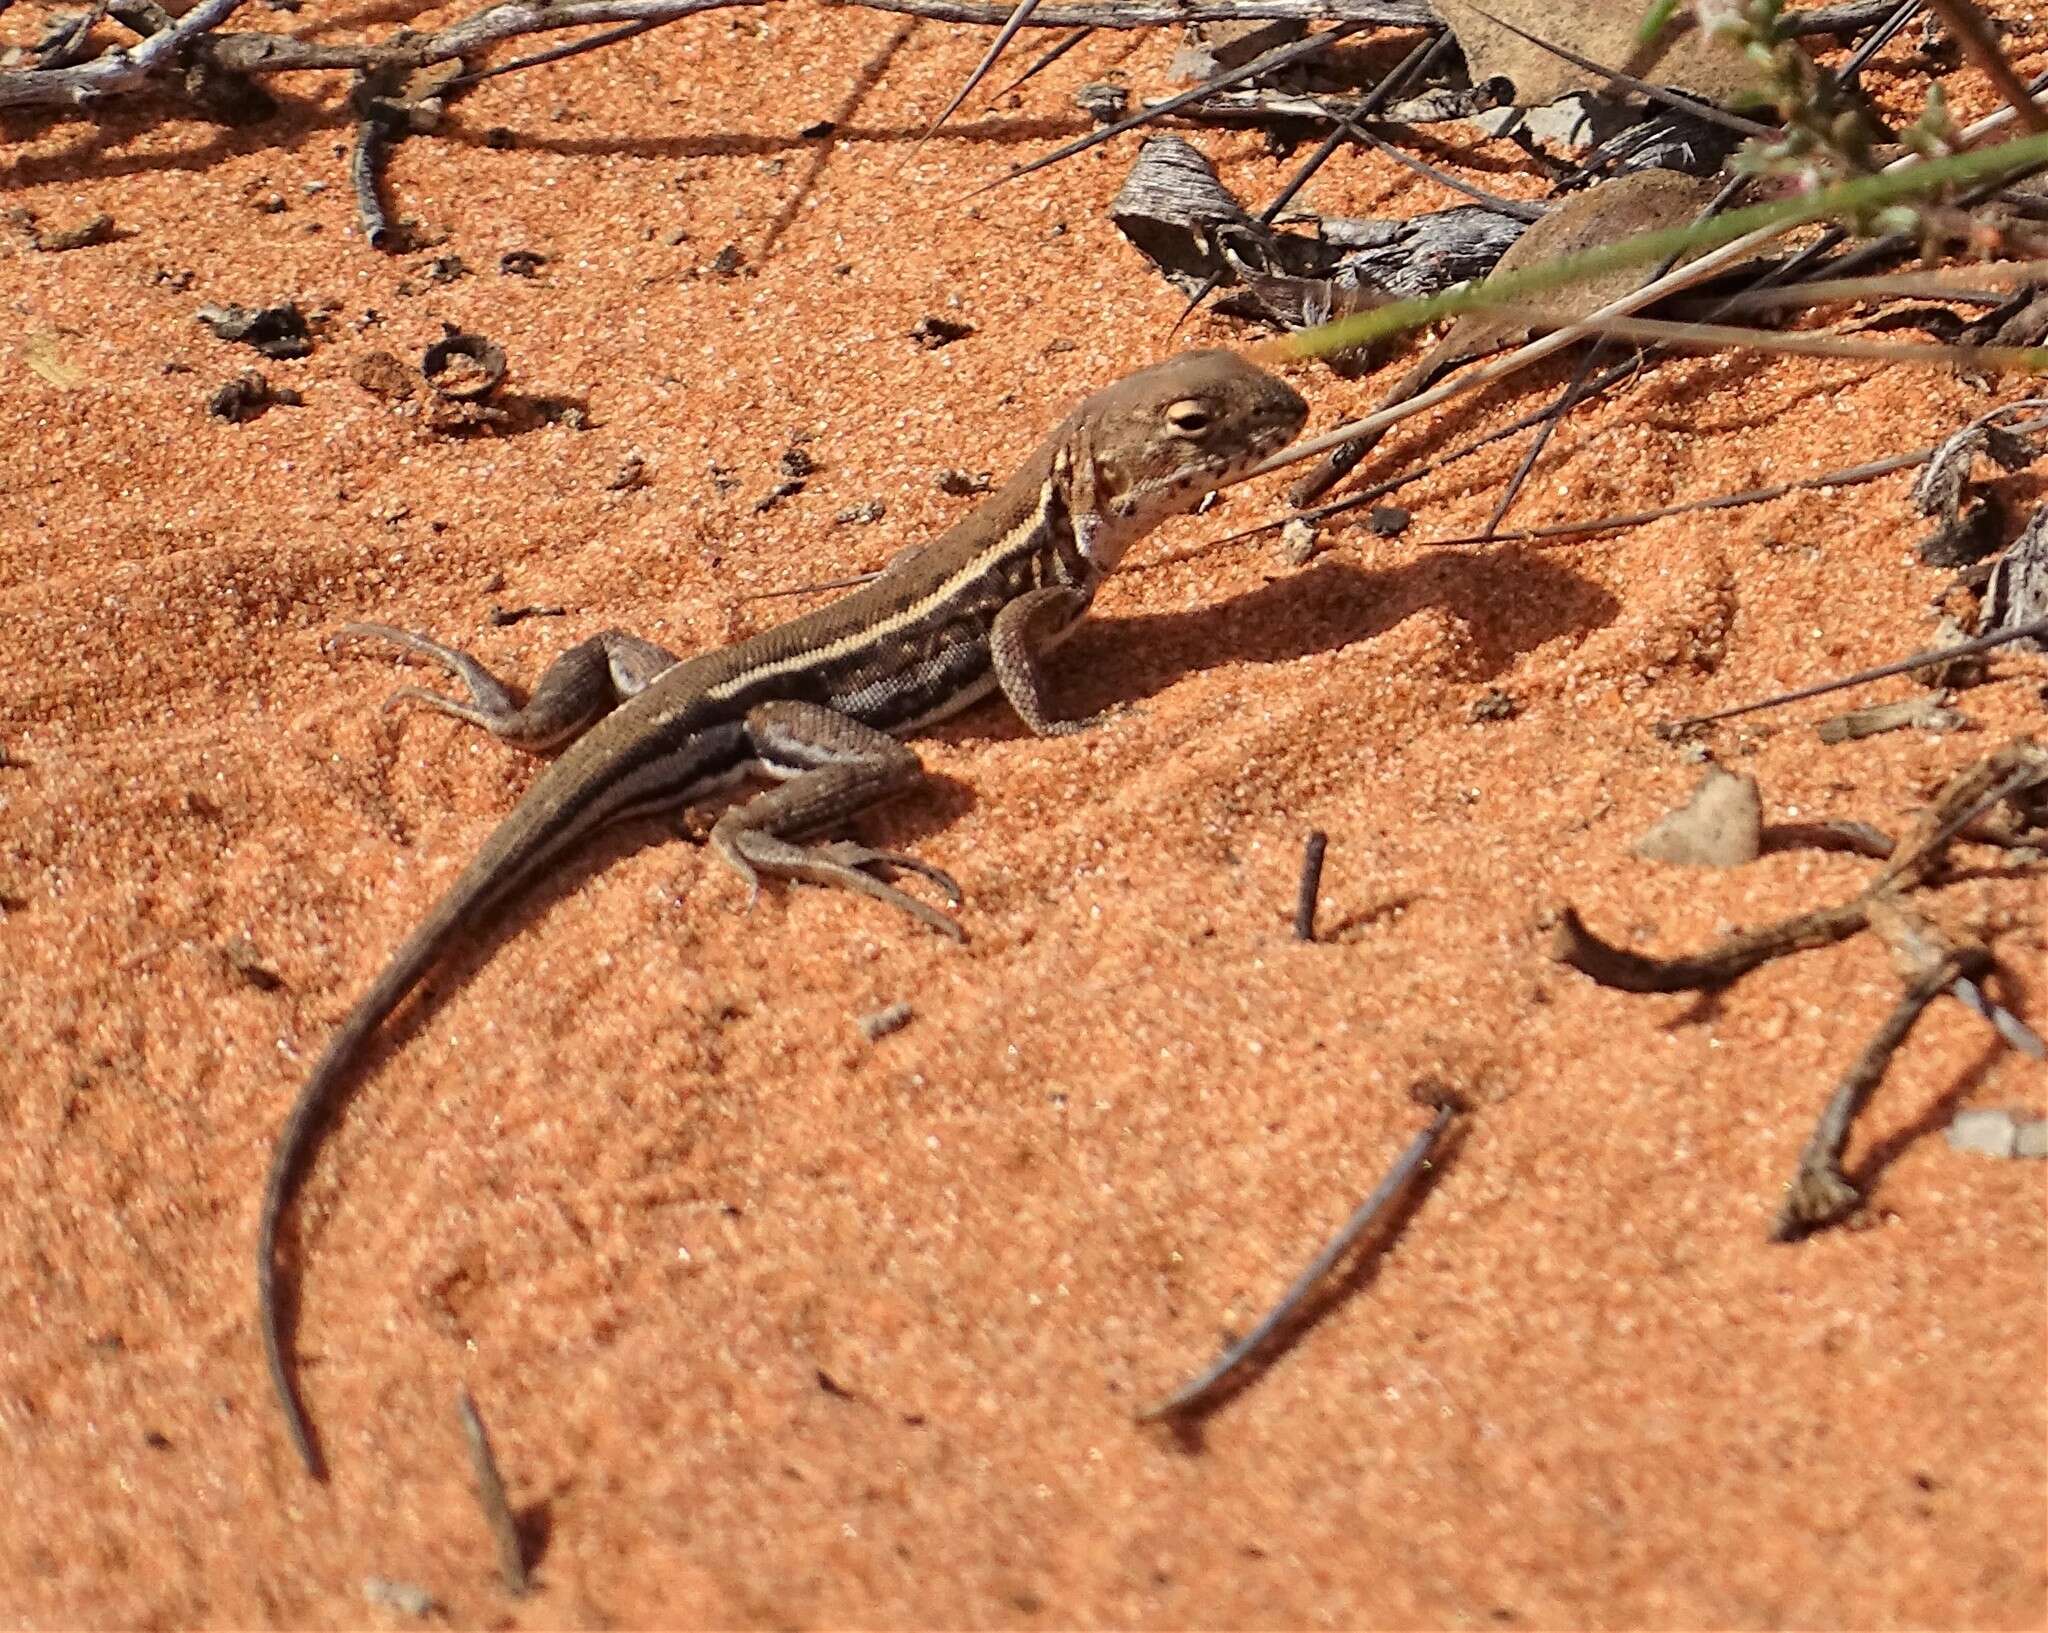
(1311, 887)
(490, 1490)
(1201, 1392)
(1820, 1193)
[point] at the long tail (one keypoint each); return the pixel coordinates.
(512, 856)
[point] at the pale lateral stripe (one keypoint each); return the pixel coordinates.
(1013, 542)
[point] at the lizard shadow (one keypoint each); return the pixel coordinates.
(1510, 600)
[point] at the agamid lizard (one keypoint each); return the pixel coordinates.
(817, 704)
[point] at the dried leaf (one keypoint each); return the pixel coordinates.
(278, 331)
(42, 355)
(1623, 207)
(1603, 31)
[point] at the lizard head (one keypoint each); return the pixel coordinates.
(1163, 439)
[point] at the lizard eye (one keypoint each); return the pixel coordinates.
(1189, 417)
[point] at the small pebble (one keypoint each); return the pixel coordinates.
(1297, 542)
(1995, 1133)
(884, 1021)
(402, 1597)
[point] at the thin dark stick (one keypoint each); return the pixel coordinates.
(1723, 501)
(1004, 35)
(490, 1491)
(1045, 60)
(365, 175)
(1401, 479)
(1601, 524)
(1875, 41)
(1517, 208)
(1567, 400)
(1311, 888)
(1409, 67)
(1576, 392)
(1722, 964)
(1279, 57)
(1191, 1396)
(1921, 660)
(561, 53)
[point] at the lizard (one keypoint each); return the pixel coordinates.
(818, 704)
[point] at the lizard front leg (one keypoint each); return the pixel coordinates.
(579, 688)
(835, 766)
(1026, 628)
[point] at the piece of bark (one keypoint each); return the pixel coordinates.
(1928, 712)
(2018, 589)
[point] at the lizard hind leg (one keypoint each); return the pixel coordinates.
(833, 766)
(578, 689)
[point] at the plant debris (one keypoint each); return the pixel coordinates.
(505, 617)
(1180, 217)
(1932, 964)
(94, 229)
(402, 1598)
(882, 1022)
(1103, 101)
(490, 1491)
(1204, 1392)
(463, 367)
(247, 396)
(1928, 712)
(391, 102)
(931, 331)
(632, 473)
(278, 331)
(1964, 535)
(243, 958)
(2016, 595)
(1308, 893)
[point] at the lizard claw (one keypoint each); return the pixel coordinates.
(419, 694)
(849, 853)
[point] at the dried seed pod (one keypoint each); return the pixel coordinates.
(464, 367)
